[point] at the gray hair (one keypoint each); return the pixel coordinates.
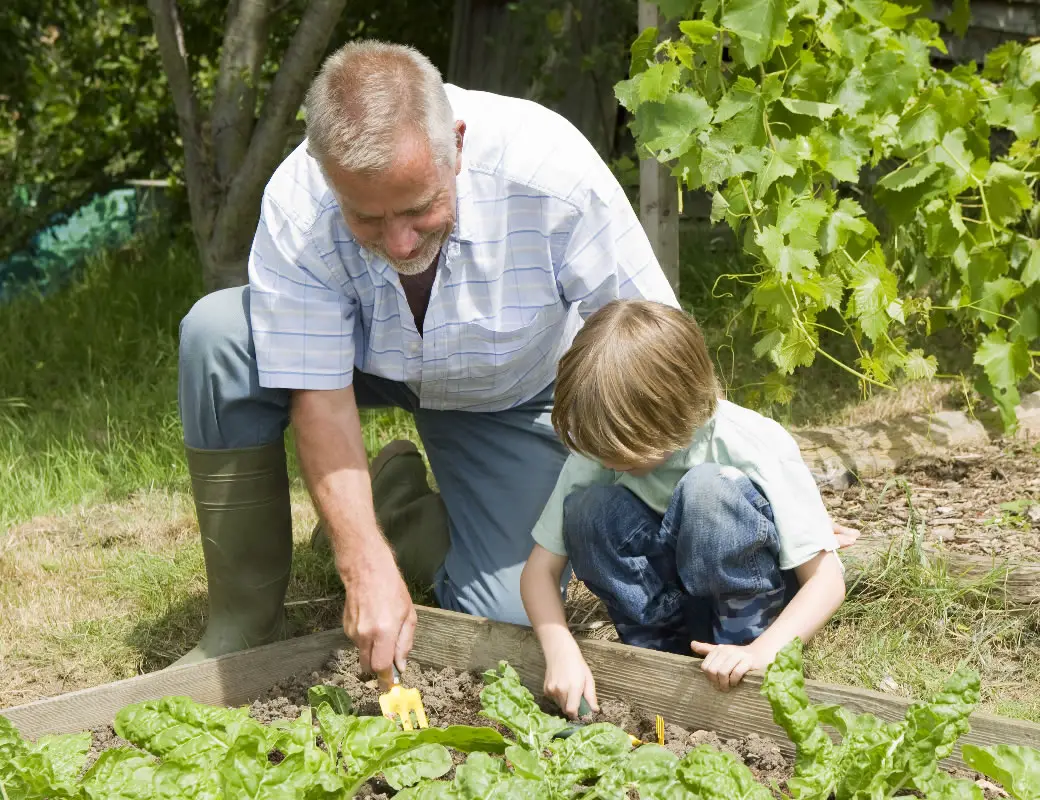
(366, 95)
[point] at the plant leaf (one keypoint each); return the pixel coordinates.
(642, 50)
(1015, 767)
(759, 24)
(507, 701)
(425, 761)
(808, 107)
(120, 774)
(337, 698)
(711, 775)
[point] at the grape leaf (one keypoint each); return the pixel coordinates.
(874, 287)
(808, 107)
(1031, 271)
(1007, 193)
(759, 24)
(782, 161)
(952, 152)
(1005, 363)
(698, 31)
(656, 82)
(920, 367)
(642, 50)
(907, 177)
(995, 295)
(671, 126)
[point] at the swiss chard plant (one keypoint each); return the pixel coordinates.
(187, 751)
(877, 197)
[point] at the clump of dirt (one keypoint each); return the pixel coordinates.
(103, 738)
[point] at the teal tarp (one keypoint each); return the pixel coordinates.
(57, 252)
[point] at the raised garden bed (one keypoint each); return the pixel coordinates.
(635, 685)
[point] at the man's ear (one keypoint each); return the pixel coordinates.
(460, 135)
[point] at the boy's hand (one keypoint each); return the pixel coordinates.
(846, 536)
(727, 664)
(568, 678)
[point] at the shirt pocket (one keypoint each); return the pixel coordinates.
(496, 358)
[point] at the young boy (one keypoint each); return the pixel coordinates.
(694, 520)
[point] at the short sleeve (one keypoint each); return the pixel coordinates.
(303, 323)
(802, 521)
(607, 256)
(578, 472)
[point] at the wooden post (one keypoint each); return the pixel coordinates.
(658, 194)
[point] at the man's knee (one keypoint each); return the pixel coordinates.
(215, 322)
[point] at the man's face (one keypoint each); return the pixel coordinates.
(406, 213)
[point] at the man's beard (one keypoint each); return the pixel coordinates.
(428, 253)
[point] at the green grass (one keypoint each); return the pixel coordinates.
(88, 384)
(907, 622)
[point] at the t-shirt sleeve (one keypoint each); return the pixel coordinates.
(607, 256)
(302, 320)
(577, 473)
(802, 522)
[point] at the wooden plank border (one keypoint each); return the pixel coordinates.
(648, 681)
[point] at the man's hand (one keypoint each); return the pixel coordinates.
(727, 664)
(568, 678)
(379, 616)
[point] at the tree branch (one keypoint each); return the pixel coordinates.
(234, 101)
(198, 175)
(238, 214)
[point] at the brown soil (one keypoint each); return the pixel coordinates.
(453, 698)
(954, 502)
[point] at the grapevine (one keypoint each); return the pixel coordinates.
(786, 110)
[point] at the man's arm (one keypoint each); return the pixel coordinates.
(378, 614)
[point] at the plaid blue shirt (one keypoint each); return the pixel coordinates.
(544, 236)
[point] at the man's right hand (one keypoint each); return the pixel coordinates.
(379, 616)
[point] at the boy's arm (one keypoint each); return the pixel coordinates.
(821, 591)
(567, 676)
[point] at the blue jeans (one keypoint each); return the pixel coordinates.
(708, 570)
(494, 470)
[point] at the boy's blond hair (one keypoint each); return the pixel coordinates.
(635, 384)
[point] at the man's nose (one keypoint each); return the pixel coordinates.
(400, 239)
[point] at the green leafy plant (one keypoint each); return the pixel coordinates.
(878, 198)
(190, 751)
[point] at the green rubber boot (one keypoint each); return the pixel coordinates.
(242, 503)
(411, 515)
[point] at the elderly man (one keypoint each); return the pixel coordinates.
(428, 248)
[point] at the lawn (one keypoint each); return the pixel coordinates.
(101, 573)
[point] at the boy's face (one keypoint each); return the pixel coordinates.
(640, 469)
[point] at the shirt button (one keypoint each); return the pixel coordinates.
(415, 348)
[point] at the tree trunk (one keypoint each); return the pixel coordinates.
(227, 171)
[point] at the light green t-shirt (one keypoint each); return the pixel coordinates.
(735, 437)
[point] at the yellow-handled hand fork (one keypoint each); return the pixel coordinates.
(402, 703)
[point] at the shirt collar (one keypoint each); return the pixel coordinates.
(465, 209)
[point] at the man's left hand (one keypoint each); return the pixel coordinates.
(727, 664)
